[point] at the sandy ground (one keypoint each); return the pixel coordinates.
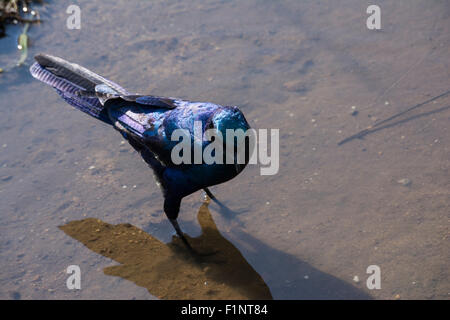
(306, 232)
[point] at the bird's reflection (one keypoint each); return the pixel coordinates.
(169, 271)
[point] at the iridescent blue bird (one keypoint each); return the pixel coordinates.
(147, 123)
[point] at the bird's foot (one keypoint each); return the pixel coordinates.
(176, 238)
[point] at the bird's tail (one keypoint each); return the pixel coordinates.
(75, 84)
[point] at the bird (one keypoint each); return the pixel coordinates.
(147, 122)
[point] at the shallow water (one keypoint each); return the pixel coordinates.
(303, 233)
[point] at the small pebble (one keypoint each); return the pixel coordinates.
(91, 167)
(6, 178)
(356, 279)
(306, 277)
(4, 145)
(124, 187)
(397, 297)
(386, 103)
(405, 182)
(36, 278)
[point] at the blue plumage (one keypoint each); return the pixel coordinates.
(148, 122)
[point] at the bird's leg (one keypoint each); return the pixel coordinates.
(175, 224)
(181, 235)
(210, 195)
(224, 210)
(172, 208)
(213, 198)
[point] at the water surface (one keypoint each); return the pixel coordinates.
(304, 233)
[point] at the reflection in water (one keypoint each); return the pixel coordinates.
(169, 271)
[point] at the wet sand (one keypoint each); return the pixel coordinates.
(304, 233)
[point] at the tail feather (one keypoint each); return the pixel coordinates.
(90, 106)
(67, 71)
(75, 73)
(72, 82)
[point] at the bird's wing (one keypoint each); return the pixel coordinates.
(158, 102)
(106, 93)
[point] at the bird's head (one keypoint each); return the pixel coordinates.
(231, 119)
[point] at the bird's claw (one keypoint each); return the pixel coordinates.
(176, 238)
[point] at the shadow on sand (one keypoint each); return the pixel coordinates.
(169, 271)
